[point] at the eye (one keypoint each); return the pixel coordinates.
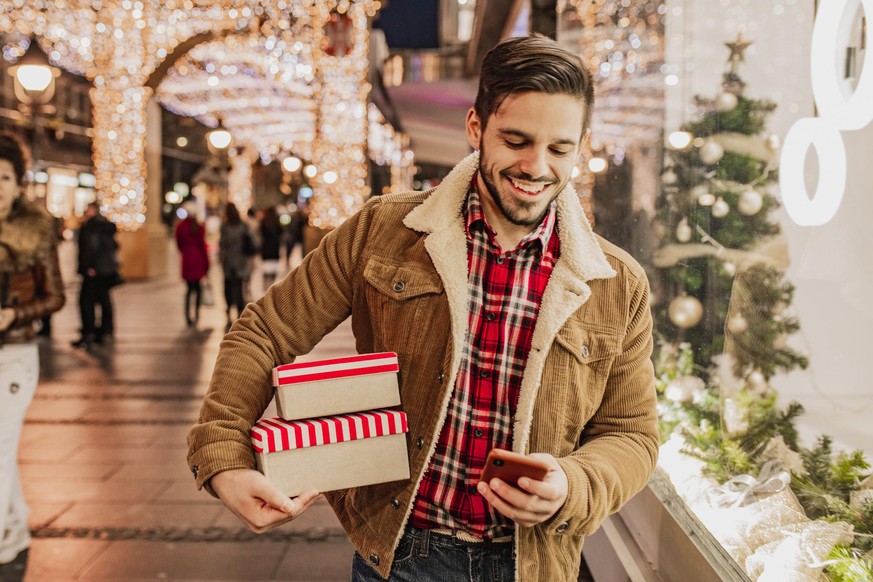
(515, 145)
(560, 152)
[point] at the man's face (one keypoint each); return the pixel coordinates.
(10, 189)
(526, 153)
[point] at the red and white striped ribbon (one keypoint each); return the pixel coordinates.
(331, 369)
(272, 435)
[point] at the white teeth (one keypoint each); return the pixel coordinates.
(530, 188)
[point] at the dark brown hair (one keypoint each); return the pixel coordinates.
(13, 150)
(231, 214)
(532, 63)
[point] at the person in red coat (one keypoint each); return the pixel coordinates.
(191, 240)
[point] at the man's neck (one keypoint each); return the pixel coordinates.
(507, 234)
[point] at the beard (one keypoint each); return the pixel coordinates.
(518, 212)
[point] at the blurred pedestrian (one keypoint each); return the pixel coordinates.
(31, 289)
(98, 266)
(271, 235)
(191, 240)
(294, 231)
(235, 248)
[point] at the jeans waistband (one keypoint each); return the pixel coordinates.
(460, 536)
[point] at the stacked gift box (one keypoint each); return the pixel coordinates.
(334, 428)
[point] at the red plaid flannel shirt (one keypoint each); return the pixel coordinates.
(506, 291)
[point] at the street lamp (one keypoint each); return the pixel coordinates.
(34, 76)
(219, 138)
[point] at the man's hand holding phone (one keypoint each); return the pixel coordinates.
(528, 489)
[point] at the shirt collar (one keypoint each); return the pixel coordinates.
(475, 217)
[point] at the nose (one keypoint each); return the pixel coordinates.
(534, 163)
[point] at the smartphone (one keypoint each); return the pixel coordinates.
(510, 467)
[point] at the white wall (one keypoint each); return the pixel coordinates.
(831, 265)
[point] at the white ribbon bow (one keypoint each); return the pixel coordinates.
(741, 490)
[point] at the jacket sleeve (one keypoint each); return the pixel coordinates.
(49, 295)
(619, 445)
(288, 321)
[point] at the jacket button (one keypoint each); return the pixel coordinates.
(194, 470)
(562, 528)
(440, 376)
(399, 286)
(419, 443)
(585, 351)
(13, 388)
(374, 559)
(395, 504)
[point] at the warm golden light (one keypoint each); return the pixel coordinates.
(34, 77)
(291, 164)
(310, 171)
(219, 139)
(597, 165)
(680, 140)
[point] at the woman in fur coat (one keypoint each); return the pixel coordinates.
(30, 288)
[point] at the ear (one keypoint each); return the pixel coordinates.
(474, 129)
(583, 144)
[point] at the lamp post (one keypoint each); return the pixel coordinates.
(218, 139)
(34, 78)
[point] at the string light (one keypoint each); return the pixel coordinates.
(119, 44)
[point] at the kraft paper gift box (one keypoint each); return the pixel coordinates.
(335, 452)
(336, 386)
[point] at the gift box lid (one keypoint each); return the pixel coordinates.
(272, 435)
(360, 365)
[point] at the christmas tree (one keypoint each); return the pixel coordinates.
(722, 320)
(715, 220)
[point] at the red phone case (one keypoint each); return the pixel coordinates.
(510, 467)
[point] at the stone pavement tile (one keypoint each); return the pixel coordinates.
(57, 409)
(172, 468)
(55, 451)
(42, 514)
(176, 434)
(181, 409)
(328, 560)
(98, 454)
(215, 561)
(319, 517)
(67, 471)
(60, 491)
(108, 436)
(186, 491)
(60, 559)
(138, 515)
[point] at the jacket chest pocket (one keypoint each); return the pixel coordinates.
(582, 361)
(403, 301)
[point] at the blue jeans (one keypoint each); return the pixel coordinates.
(423, 555)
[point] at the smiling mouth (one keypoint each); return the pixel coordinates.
(528, 188)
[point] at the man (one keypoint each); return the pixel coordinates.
(516, 328)
(98, 267)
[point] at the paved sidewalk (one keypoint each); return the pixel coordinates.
(103, 455)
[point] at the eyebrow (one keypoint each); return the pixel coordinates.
(523, 135)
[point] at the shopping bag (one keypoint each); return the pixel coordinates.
(207, 297)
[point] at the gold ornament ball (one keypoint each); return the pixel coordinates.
(707, 199)
(669, 178)
(720, 209)
(774, 142)
(757, 382)
(726, 101)
(750, 202)
(685, 311)
(737, 323)
(711, 152)
(698, 191)
(730, 269)
(683, 231)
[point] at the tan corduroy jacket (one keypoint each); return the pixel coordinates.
(587, 396)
